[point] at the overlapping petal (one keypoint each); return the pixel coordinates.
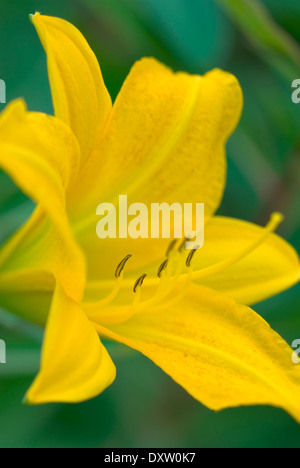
(222, 353)
(41, 155)
(79, 95)
(75, 365)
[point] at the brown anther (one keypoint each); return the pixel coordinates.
(191, 256)
(121, 266)
(162, 267)
(139, 283)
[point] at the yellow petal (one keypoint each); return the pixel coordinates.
(31, 149)
(222, 353)
(164, 143)
(75, 365)
(79, 95)
(268, 270)
(166, 136)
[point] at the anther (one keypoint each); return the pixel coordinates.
(139, 283)
(185, 240)
(121, 266)
(162, 267)
(191, 256)
(171, 247)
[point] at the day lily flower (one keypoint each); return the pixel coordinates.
(163, 140)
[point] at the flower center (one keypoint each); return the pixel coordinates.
(176, 273)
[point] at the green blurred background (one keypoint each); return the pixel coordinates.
(258, 42)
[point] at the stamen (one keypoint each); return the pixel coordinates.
(139, 282)
(181, 295)
(191, 275)
(169, 278)
(162, 267)
(116, 289)
(191, 256)
(275, 221)
(171, 247)
(121, 266)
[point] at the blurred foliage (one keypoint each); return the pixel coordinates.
(274, 43)
(258, 42)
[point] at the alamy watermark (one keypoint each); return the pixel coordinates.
(295, 355)
(2, 92)
(164, 221)
(2, 352)
(296, 93)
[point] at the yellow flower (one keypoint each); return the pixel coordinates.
(163, 140)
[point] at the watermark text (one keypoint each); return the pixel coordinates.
(296, 93)
(160, 221)
(2, 352)
(2, 92)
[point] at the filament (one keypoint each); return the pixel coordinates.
(111, 296)
(191, 275)
(119, 274)
(275, 221)
(171, 272)
(181, 295)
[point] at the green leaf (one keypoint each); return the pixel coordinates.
(275, 45)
